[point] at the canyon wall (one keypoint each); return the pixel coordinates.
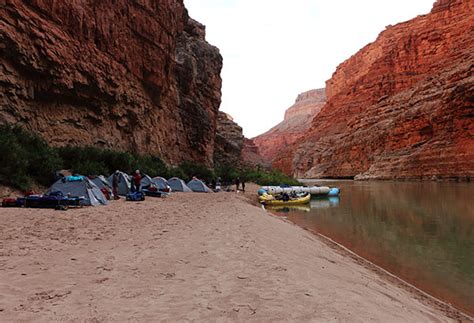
(229, 141)
(402, 107)
(124, 74)
(295, 124)
(251, 155)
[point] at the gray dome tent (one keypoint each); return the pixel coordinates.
(79, 186)
(146, 181)
(161, 183)
(123, 183)
(178, 185)
(198, 186)
(101, 183)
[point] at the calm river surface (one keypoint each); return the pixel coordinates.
(422, 232)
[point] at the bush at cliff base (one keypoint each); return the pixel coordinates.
(25, 158)
(191, 169)
(95, 161)
(229, 173)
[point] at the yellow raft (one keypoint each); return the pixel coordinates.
(268, 199)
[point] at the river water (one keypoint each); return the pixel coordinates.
(422, 232)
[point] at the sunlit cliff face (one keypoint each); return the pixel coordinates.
(399, 107)
(296, 123)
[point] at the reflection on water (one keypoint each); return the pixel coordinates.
(325, 202)
(422, 232)
(287, 209)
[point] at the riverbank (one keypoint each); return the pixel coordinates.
(188, 257)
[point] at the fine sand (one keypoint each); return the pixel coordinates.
(191, 256)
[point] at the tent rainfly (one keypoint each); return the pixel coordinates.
(161, 183)
(198, 186)
(79, 186)
(146, 181)
(178, 185)
(123, 183)
(101, 183)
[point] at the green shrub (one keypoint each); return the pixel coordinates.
(96, 161)
(190, 169)
(26, 158)
(257, 175)
(150, 165)
(176, 172)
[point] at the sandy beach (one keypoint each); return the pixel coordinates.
(189, 257)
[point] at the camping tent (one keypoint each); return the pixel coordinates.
(79, 186)
(198, 186)
(102, 184)
(161, 183)
(123, 183)
(178, 185)
(146, 181)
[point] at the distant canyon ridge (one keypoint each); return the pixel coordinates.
(400, 108)
(293, 128)
(140, 76)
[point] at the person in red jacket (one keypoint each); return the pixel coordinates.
(136, 181)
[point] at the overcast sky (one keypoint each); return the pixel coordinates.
(275, 49)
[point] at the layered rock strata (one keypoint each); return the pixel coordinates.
(402, 107)
(229, 141)
(295, 124)
(129, 75)
(251, 155)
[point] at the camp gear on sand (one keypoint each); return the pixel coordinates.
(153, 192)
(54, 200)
(135, 196)
(46, 202)
(10, 202)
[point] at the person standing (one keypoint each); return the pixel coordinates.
(136, 181)
(115, 182)
(237, 184)
(243, 185)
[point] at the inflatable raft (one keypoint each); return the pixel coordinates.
(313, 190)
(268, 199)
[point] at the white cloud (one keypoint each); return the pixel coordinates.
(274, 50)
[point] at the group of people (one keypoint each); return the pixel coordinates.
(135, 184)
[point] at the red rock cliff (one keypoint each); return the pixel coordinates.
(125, 74)
(402, 107)
(296, 123)
(229, 141)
